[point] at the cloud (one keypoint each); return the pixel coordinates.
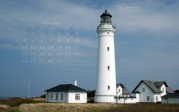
(146, 16)
(45, 17)
(64, 12)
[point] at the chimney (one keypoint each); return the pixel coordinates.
(75, 82)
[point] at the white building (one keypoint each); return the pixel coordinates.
(152, 91)
(124, 96)
(66, 93)
(106, 71)
(147, 91)
(171, 98)
(121, 90)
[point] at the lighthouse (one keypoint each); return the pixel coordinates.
(106, 71)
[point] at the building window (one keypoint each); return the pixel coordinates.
(119, 90)
(148, 98)
(108, 48)
(48, 96)
(77, 96)
(51, 96)
(107, 32)
(108, 87)
(162, 90)
(156, 98)
(57, 96)
(61, 97)
(143, 89)
(108, 67)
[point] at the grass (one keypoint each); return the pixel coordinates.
(145, 108)
(56, 107)
(38, 105)
(12, 104)
(59, 107)
(9, 109)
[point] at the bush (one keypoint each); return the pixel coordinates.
(13, 102)
(43, 96)
(90, 93)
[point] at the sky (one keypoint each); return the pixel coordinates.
(44, 43)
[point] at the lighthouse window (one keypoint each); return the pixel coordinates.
(108, 48)
(108, 67)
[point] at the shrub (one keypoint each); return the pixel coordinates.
(12, 102)
(43, 96)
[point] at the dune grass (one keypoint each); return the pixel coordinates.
(56, 107)
(16, 101)
(9, 109)
(38, 105)
(59, 107)
(145, 108)
(12, 104)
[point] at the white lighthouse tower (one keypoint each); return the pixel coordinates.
(106, 71)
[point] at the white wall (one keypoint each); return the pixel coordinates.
(143, 95)
(71, 97)
(137, 97)
(170, 100)
(163, 89)
(119, 90)
(51, 97)
(126, 100)
(105, 99)
(157, 97)
(68, 97)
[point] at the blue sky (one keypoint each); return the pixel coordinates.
(51, 42)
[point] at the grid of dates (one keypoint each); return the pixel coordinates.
(50, 48)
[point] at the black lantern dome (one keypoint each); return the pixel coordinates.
(106, 17)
